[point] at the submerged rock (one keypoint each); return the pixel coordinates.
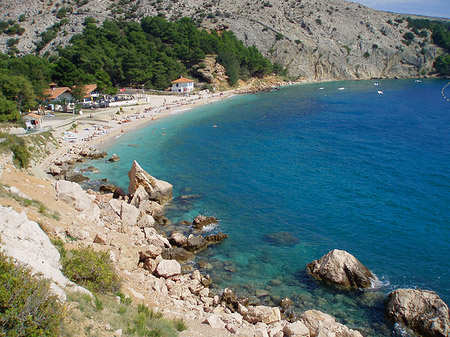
(422, 311)
(281, 239)
(216, 238)
(341, 268)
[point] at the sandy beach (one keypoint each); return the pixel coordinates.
(97, 128)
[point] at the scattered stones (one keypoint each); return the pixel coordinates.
(341, 268)
(422, 311)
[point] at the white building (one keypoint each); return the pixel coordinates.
(182, 84)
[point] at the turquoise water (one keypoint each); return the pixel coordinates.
(347, 169)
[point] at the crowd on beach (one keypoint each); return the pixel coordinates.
(109, 121)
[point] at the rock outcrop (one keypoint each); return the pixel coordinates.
(422, 311)
(27, 243)
(157, 190)
(312, 39)
(341, 268)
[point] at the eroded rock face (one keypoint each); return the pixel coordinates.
(157, 190)
(27, 243)
(341, 268)
(422, 311)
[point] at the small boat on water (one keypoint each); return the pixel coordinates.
(380, 92)
(376, 83)
(418, 81)
(341, 88)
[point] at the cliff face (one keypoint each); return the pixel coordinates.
(326, 40)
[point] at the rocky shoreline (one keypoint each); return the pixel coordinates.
(155, 267)
(165, 259)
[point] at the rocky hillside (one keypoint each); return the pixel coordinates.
(315, 40)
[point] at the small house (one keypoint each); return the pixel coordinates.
(63, 95)
(182, 84)
(33, 121)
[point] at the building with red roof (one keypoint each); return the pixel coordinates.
(182, 84)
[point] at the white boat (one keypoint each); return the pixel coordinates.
(376, 83)
(341, 88)
(380, 92)
(418, 81)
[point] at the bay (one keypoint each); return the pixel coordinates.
(295, 173)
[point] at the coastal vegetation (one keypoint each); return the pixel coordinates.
(27, 308)
(440, 34)
(16, 145)
(148, 54)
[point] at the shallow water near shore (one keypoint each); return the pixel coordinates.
(349, 169)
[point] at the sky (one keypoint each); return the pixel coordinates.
(437, 8)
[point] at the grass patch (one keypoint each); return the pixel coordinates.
(25, 202)
(134, 320)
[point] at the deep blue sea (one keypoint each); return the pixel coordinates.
(295, 173)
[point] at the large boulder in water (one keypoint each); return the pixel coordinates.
(157, 190)
(341, 268)
(422, 311)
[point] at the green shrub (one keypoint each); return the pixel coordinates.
(366, 54)
(26, 306)
(18, 147)
(91, 269)
(319, 21)
(279, 36)
(409, 36)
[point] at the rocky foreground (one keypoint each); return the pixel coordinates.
(151, 265)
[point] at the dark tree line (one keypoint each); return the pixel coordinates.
(151, 53)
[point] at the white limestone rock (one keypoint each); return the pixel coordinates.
(261, 313)
(157, 190)
(422, 311)
(341, 268)
(27, 243)
(168, 268)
